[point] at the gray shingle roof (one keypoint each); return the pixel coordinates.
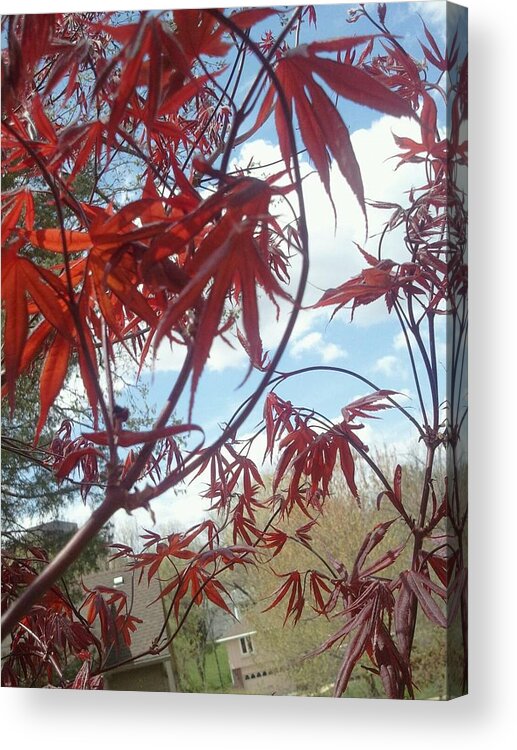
(139, 598)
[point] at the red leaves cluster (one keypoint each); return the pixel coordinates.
(229, 476)
(295, 585)
(322, 128)
(69, 454)
(110, 607)
(51, 635)
(233, 255)
(369, 604)
(106, 279)
(314, 456)
(383, 278)
(28, 39)
(308, 455)
(202, 563)
(230, 264)
(434, 54)
(171, 263)
(292, 586)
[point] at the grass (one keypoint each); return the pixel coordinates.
(218, 677)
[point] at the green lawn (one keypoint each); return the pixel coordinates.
(217, 673)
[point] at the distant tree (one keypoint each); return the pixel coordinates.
(337, 535)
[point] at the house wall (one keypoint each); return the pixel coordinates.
(148, 678)
(237, 659)
(249, 673)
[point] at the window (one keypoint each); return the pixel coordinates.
(246, 644)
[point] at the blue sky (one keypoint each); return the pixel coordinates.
(371, 344)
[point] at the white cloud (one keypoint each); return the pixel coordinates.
(315, 344)
(334, 255)
(433, 13)
(169, 357)
(223, 355)
(386, 365)
(259, 152)
(331, 352)
(440, 17)
(306, 343)
(399, 341)
(334, 258)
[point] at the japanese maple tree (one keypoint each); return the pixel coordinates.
(191, 255)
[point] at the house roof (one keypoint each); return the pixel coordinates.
(219, 622)
(242, 634)
(57, 526)
(141, 601)
(225, 627)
